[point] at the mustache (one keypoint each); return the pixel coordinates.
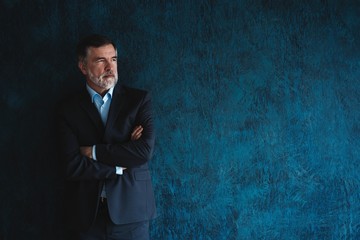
(108, 73)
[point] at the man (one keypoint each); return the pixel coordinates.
(107, 139)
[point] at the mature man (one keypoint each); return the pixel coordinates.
(107, 139)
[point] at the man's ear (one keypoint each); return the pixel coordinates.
(82, 67)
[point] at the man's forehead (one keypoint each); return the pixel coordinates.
(102, 50)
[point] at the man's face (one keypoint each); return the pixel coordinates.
(100, 67)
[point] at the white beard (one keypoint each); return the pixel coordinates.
(102, 82)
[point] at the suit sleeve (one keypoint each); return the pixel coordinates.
(77, 166)
(132, 153)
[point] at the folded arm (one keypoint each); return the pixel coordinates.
(78, 166)
(89, 151)
(131, 153)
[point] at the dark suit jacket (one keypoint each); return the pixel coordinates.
(130, 196)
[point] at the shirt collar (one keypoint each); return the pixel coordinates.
(93, 93)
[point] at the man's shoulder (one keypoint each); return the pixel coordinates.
(131, 90)
(71, 101)
(133, 94)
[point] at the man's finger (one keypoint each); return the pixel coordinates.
(136, 134)
(137, 130)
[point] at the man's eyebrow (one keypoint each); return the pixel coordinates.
(101, 58)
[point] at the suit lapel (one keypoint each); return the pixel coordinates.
(89, 107)
(117, 104)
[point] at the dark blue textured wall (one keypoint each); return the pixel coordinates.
(256, 103)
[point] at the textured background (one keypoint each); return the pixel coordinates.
(256, 103)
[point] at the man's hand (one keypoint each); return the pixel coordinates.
(86, 151)
(137, 132)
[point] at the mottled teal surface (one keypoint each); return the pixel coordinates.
(257, 107)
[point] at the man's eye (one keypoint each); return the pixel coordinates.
(114, 59)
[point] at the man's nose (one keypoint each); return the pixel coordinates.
(109, 66)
